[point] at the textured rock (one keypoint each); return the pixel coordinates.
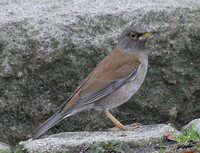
(195, 123)
(47, 48)
(76, 141)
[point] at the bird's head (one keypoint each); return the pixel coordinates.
(132, 39)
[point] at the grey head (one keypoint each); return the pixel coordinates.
(132, 40)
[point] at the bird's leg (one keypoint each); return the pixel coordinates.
(115, 121)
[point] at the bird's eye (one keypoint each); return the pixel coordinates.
(133, 35)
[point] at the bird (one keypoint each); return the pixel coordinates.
(113, 82)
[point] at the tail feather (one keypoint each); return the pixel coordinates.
(53, 120)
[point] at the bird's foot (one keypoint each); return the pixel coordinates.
(133, 126)
(130, 127)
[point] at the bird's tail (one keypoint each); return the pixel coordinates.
(53, 120)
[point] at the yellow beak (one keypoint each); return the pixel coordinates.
(148, 34)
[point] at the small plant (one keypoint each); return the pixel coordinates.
(109, 147)
(162, 150)
(18, 149)
(4, 151)
(190, 135)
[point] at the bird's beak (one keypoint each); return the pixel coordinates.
(147, 35)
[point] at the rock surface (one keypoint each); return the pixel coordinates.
(76, 141)
(195, 123)
(47, 48)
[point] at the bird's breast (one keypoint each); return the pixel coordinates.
(124, 93)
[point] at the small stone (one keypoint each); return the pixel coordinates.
(20, 74)
(195, 122)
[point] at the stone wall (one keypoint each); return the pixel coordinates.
(47, 48)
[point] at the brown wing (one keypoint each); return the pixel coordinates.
(110, 74)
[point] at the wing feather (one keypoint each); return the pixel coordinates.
(114, 71)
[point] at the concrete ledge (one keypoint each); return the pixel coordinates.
(75, 141)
